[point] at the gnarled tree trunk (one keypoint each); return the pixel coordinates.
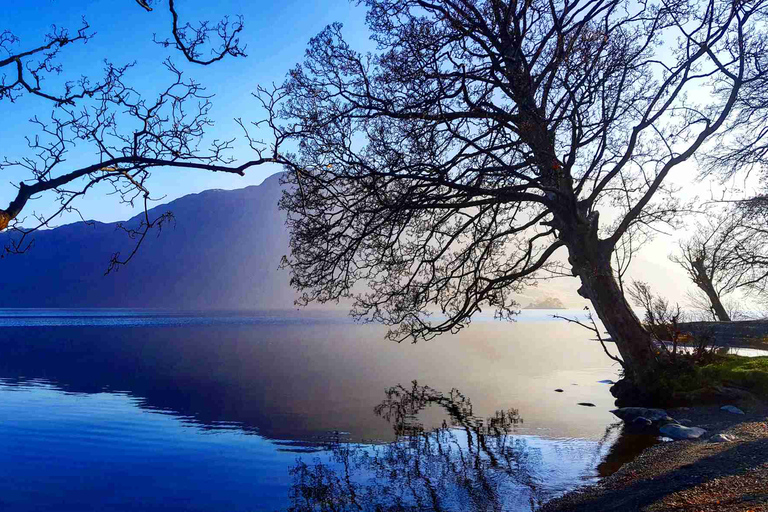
(704, 282)
(598, 284)
(590, 260)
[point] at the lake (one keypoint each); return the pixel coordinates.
(232, 411)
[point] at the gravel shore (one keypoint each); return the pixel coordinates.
(691, 476)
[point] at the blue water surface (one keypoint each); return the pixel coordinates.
(162, 410)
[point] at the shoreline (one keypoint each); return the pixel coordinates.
(688, 476)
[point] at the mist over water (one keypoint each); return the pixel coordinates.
(127, 409)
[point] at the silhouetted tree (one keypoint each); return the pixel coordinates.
(129, 132)
(726, 254)
(711, 263)
(482, 136)
(753, 251)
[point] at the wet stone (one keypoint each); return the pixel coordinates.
(676, 431)
(628, 414)
(722, 438)
(732, 409)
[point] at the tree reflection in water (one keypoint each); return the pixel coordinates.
(467, 463)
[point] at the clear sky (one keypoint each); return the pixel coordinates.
(276, 34)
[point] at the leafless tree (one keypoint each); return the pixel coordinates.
(483, 136)
(656, 309)
(710, 260)
(753, 251)
(726, 254)
(130, 133)
(663, 322)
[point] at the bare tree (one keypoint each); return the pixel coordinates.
(129, 132)
(483, 136)
(726, 254)
(710, 259)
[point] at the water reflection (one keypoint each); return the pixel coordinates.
(299, 380)
(468, 463)
(101, 407)
(625, 446)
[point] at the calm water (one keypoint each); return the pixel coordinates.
(136, 410)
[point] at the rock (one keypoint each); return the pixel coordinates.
(641, 422)
(685, 422)
(558, 390)
(732, 409)
(586, 404)
(676, 431)
(722, 438)
(629, 414)
(606, 381)
(628, 394)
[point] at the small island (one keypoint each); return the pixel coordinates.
(546, 303)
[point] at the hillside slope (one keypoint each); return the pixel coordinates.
(222, 253)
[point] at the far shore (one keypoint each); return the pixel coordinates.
(736, 334)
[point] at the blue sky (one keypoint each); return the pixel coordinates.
(276, 34)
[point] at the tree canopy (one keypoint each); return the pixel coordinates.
(446, 168)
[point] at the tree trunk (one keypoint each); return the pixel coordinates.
(702, 280)
(633, 342)
(590, 260)
(717, 306)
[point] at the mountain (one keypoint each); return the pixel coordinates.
(222, 253)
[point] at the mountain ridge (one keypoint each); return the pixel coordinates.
(221, 252)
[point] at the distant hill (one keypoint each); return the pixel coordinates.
(546, 303)
(223, 253)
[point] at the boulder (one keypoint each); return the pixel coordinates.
(732, 409)
(629, 414)
(676, 431)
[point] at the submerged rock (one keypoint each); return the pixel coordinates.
(586, 404)
(676, 431)
(558, 390)
(732, 409)
(630, 414)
